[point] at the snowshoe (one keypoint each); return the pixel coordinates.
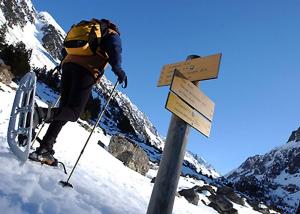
(20, 127)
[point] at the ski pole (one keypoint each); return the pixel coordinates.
(66, 183)
(43, 124)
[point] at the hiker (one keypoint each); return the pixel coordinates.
(80, 71)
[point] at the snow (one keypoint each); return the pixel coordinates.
(46, 93)
(242, 209)
(39, 57)
(31, 37)
(2, 18)
(283, 188)
(283, 177)
(203, 166)
(29, 4)
(102, 184)
(153, 137)
(47, 18)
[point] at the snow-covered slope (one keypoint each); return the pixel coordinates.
(41, 33)
(38, 30)
(273, 177)
(102, 184)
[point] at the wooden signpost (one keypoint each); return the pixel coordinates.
(190, 107)
(182, 110)
(197, 69)
(192, 95)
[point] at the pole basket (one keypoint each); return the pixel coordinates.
(65, 184)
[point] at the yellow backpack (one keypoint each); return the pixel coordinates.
(83, 38)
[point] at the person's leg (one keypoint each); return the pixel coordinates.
(80, 89)
(56, 126)
(46, 114)
(74, 99)
(51, 134)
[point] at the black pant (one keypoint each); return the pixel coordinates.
(76, 86)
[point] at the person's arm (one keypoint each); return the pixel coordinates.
(112, 45)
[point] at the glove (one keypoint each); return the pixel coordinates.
(122, 78)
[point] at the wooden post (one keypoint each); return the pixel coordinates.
(166, 182)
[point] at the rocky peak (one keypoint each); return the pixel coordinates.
(38, 30)
(53, 35)
(272, 177)
(295, 136)
(52, 41)
(17, 12)
(42, 34)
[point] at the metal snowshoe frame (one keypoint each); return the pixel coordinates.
(21, 117)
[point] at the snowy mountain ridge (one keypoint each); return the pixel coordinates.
(273, 176)
(95, 192)
(41, 33)
(102, 184)
(23, 23)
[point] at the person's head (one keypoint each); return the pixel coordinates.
(110, 25)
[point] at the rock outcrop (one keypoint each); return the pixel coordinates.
(5, 74)
(130, 154)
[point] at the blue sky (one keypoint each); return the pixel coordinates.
(257, 92)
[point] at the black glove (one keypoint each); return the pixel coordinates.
(122, 78)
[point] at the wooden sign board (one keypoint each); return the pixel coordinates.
(191, 94)
(188, 114)
(203, 68)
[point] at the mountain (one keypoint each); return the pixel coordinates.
(272, 177)
(40, 32)
(102, 184)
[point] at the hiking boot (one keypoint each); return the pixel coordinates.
(44, 156)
